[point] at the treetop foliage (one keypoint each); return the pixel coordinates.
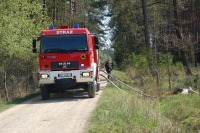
(173, 28)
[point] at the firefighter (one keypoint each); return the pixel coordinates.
(108, 67)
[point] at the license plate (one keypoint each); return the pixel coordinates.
(65, 75)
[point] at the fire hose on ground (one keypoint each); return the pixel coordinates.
(146, 95)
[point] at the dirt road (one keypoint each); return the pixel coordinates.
(63, 113)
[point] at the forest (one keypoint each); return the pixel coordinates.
(154, 37)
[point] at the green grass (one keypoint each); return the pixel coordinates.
(182, 109)
(122, 112)
(130, 113)
(7, 105)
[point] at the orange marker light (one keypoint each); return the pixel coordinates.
(83, 56)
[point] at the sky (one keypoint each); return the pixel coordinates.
(107, 30)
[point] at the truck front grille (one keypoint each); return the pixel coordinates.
(65, 65)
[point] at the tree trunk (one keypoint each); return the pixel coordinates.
(5, 85)
(147, 40)
(169, 73)
(43, 9)
(179, 36)
(54, 17)
(194, 31)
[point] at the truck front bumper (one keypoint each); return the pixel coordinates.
(77, 76)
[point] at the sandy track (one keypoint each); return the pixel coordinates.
(63, 113)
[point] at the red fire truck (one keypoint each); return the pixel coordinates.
(68, 59)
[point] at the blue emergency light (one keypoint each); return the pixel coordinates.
(77, 26)
(52, 27)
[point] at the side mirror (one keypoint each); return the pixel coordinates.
(34, 46)
(34, 50)
(34, 43)
(96, 40)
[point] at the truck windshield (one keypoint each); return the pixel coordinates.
(64, 43)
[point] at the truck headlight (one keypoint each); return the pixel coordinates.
(86, 74)
(44, 76)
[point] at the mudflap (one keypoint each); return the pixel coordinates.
(98, 87)
(92, 90)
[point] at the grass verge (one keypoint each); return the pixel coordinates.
(7, 105)
(130, 113)
(124, 112)
(184, 110)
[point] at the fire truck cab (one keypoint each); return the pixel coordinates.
(68, 59)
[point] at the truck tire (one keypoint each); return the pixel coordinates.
(45, 92)
(91, 90)
(98, 87)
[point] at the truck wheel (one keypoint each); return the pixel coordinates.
(45, 93)
(98, 87)
(91, 90)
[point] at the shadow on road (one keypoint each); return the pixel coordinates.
(68, 96)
